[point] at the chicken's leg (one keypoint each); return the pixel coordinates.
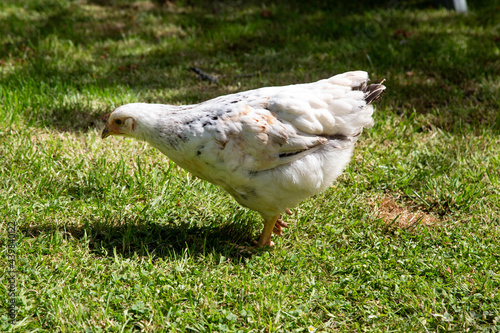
(265, 237)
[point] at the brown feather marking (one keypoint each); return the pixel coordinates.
(270, 118)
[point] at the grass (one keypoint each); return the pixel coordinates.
(114, 238)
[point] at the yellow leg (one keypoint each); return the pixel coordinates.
(265, 237)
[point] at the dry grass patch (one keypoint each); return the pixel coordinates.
(407, 217)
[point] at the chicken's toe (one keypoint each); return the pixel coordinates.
(281, 223)
(278, 227)
(257, 244)
(278, 230)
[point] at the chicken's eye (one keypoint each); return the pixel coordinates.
(118, 122)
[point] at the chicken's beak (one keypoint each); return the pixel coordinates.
(105, 132)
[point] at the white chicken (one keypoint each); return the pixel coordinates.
(270, 148)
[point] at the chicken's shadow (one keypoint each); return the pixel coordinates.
(170, 240)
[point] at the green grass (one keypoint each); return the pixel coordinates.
(114, 238)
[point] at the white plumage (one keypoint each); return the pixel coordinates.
(270, 148)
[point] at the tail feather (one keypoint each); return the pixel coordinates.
(372, 91)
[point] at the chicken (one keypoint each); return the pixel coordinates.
(270, 148)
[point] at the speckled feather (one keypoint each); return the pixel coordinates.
(270, 148)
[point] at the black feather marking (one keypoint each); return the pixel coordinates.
(339, 137)
(199, 151)
(288, 154)
(182, 137)
(372, 91)
(208, 123)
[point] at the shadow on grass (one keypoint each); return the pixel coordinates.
(75, 118)
(171, 240)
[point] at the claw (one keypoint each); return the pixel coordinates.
(288, 211)
(278, 227)
(278, 231)
(281, 223)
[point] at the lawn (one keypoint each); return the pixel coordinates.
(112, 237)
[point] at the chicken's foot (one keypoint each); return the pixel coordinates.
(279, 225)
